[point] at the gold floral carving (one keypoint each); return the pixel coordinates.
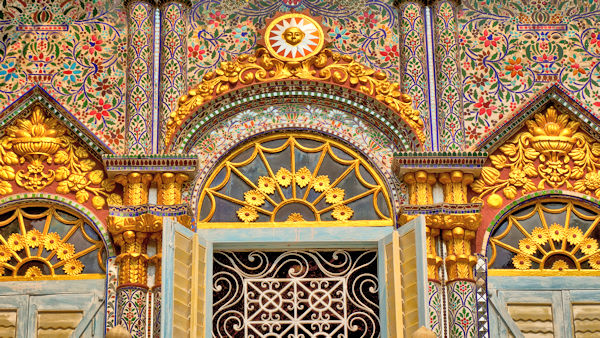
(553, 150)
(135, 188)
(40, 140)
(326, 66)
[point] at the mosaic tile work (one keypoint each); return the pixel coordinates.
(173, 61)
(436, 319)
(461, 305)
(448, 81)
(75, 50)
(413, 67)
(131, 309)
(111, 292)
(481, 295)
(156, 307)
(139, 81)
(511, 50)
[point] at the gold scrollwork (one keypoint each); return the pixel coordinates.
(552, 151)
(326, 66)
(39, 139)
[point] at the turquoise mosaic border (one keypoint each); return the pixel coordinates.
(95, 221)
(181, 144)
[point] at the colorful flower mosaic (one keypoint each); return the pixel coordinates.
(511, 50)
(76, 52)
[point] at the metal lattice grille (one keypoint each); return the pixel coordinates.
(326, 293)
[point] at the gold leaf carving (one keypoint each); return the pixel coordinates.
(553, 150)
(39, 140)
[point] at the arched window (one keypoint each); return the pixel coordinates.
(44, 241)
(544, 270)
(547, 237)
(295, 177)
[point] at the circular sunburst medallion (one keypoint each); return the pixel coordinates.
(294, 37)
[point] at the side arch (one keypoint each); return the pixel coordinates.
(61, 201)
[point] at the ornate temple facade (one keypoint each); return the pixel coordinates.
(299, 168)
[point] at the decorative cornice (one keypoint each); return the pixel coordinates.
(120, 164)
(432, 162)
(153, 209)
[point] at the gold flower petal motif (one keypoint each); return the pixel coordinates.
(521, 262)
(5, 254)
(303, 177)
(254, 197)
(15, 242)
(556, 232)
(266, 185)
(574, 235)
(247, 214)
(51, 241)
(283, 177)
(594, 261)
(342, 212)
(334, 196)
(34, 238)
(295, 217)
(65, 251)
(560, 265)
(321, 183)
(539, 235)
(589, 246)
(73, 267)
(33, 272)
(2, 270)
(527, 246)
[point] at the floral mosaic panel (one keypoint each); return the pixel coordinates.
(367, 32)
(75, 50)
(511, 50)
(461, 302)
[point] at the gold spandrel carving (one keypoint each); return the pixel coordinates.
(40, 140)
(551, 153)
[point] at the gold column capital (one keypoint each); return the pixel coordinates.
(460, 261)
(433, 260)
(455, 186)
(169, 187)
(135, 187)
(420, 187)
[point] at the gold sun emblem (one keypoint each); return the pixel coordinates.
(294, 37)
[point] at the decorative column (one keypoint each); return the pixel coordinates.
(140, 69)
(420, 190)
(447, 75)
(131, 235)
(452, 223)
(173, 59)
(413, 59)
(169, 187)
(459, 235)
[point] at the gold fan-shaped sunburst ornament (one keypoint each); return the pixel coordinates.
(553, 247)
(36, 254)
(272, 182)
(303, 177)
